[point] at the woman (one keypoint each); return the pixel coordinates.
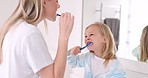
(23, 51)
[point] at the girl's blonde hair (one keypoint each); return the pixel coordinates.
(28, 10)
(108, 50)
(144, 45)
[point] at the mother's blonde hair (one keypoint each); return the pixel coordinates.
(144, 45)
(108, 50)
(28, 10)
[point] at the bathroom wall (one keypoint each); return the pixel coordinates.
(6, 7)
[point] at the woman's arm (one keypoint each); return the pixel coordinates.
(57, 69)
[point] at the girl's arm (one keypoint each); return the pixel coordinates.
(78, 60)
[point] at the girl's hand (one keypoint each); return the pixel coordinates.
(75, 50)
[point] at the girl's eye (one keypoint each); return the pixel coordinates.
(85, 36)
(91, 34)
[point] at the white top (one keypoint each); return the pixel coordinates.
(24, 52)
(98, 68)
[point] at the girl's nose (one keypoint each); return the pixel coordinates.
(88, 38)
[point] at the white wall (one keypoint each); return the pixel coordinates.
(92, 11)
(124, 30)
(6, 7)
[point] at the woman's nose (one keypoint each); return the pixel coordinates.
(58, 5)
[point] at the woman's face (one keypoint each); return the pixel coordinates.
(50, 9)
(92, 34)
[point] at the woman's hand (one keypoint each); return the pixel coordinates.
(66, 25)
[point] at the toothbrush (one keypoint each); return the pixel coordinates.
(58, 15)
(89, 43)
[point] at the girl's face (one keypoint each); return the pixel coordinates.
(50, 8)
(93, 34)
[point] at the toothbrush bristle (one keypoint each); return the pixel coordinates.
(58, 15)
(89, 43)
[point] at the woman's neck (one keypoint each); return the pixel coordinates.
(38, 21)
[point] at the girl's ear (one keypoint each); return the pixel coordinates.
(104, 39)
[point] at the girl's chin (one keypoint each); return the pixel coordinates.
(91, 51)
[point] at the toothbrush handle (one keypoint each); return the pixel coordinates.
(83, 47)
(86, 45)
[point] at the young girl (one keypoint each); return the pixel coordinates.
(23, 51)
(100, 61)
(141, 52)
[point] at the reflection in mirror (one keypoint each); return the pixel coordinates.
(132, 26)
(141, 51)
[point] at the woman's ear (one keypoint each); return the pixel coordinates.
(44, 3)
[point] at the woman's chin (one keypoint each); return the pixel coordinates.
(52, 19)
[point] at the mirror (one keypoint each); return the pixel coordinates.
(132, 15)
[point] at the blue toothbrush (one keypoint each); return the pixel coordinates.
(86, 45)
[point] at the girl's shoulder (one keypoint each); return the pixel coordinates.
(116, 68)
(115, 62)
